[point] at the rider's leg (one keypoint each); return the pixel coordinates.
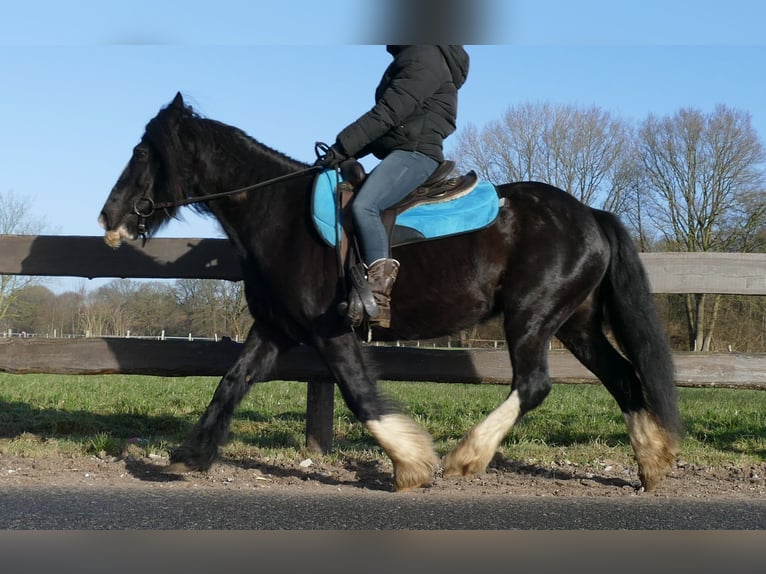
(391, 181)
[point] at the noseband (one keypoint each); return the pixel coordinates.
(144, 213)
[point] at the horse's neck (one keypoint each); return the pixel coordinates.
(228, 158)
(270, 208)
(235, 160)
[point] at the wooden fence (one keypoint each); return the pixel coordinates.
(74, 256)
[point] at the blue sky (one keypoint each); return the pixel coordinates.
(80, 79)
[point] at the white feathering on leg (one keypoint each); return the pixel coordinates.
(476, 449)
(410, 448)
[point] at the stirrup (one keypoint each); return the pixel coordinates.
(352, 310)
(364, 290)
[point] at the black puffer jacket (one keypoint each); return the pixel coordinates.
(416, 104)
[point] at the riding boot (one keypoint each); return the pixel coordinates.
(381, 276)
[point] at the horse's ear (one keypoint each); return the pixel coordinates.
(178, 102)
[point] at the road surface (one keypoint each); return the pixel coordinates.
(96, 508)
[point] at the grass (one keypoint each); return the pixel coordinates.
(81, 415)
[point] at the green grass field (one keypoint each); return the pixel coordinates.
(80, 415)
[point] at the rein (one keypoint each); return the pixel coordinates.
(145, 207)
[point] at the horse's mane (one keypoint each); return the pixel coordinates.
(174, 130)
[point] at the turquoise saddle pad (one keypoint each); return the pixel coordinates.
(473, 211)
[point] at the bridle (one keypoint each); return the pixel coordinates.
(145, 206)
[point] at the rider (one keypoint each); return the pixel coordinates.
(415, 110)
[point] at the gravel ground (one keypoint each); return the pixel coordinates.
(503, 477)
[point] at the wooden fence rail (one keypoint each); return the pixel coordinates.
(75, 256)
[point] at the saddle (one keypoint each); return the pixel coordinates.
(438, 188)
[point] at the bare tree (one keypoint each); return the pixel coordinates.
(154, 309)
(705, 191)
(33, 310)
(16, 218)
(233, 308)
(196, 300)
(112, 302)
(627, 198)
(577, 149)
(66, 319)
(214, 306)
(94, 315)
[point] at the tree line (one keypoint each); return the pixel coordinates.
(201, 307)
(208, 308)
(689, 181)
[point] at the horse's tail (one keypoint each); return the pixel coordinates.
(636, 325)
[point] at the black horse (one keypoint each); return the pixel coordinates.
(549, 264)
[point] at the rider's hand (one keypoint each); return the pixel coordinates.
(332, 158)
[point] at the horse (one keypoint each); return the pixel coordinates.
(549, 265)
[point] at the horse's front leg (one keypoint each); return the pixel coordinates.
(407, 444)
(254, 364)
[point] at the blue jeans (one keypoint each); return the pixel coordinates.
(396, 176)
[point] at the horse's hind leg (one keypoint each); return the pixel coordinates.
(655, 449)
(477, 448)
(531, 384)
(407, 444)
(254, 364)
(533, 314)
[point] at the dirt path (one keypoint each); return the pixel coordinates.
(503, 477)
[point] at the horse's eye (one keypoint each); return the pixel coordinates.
(140, 153)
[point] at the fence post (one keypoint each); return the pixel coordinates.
(320, 404)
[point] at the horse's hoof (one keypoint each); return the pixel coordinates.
(458, 464)
(411, 486)
(411, 478)
(177, 468)
(649, 483)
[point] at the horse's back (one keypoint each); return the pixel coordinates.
(543, 195)
(542, 235)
